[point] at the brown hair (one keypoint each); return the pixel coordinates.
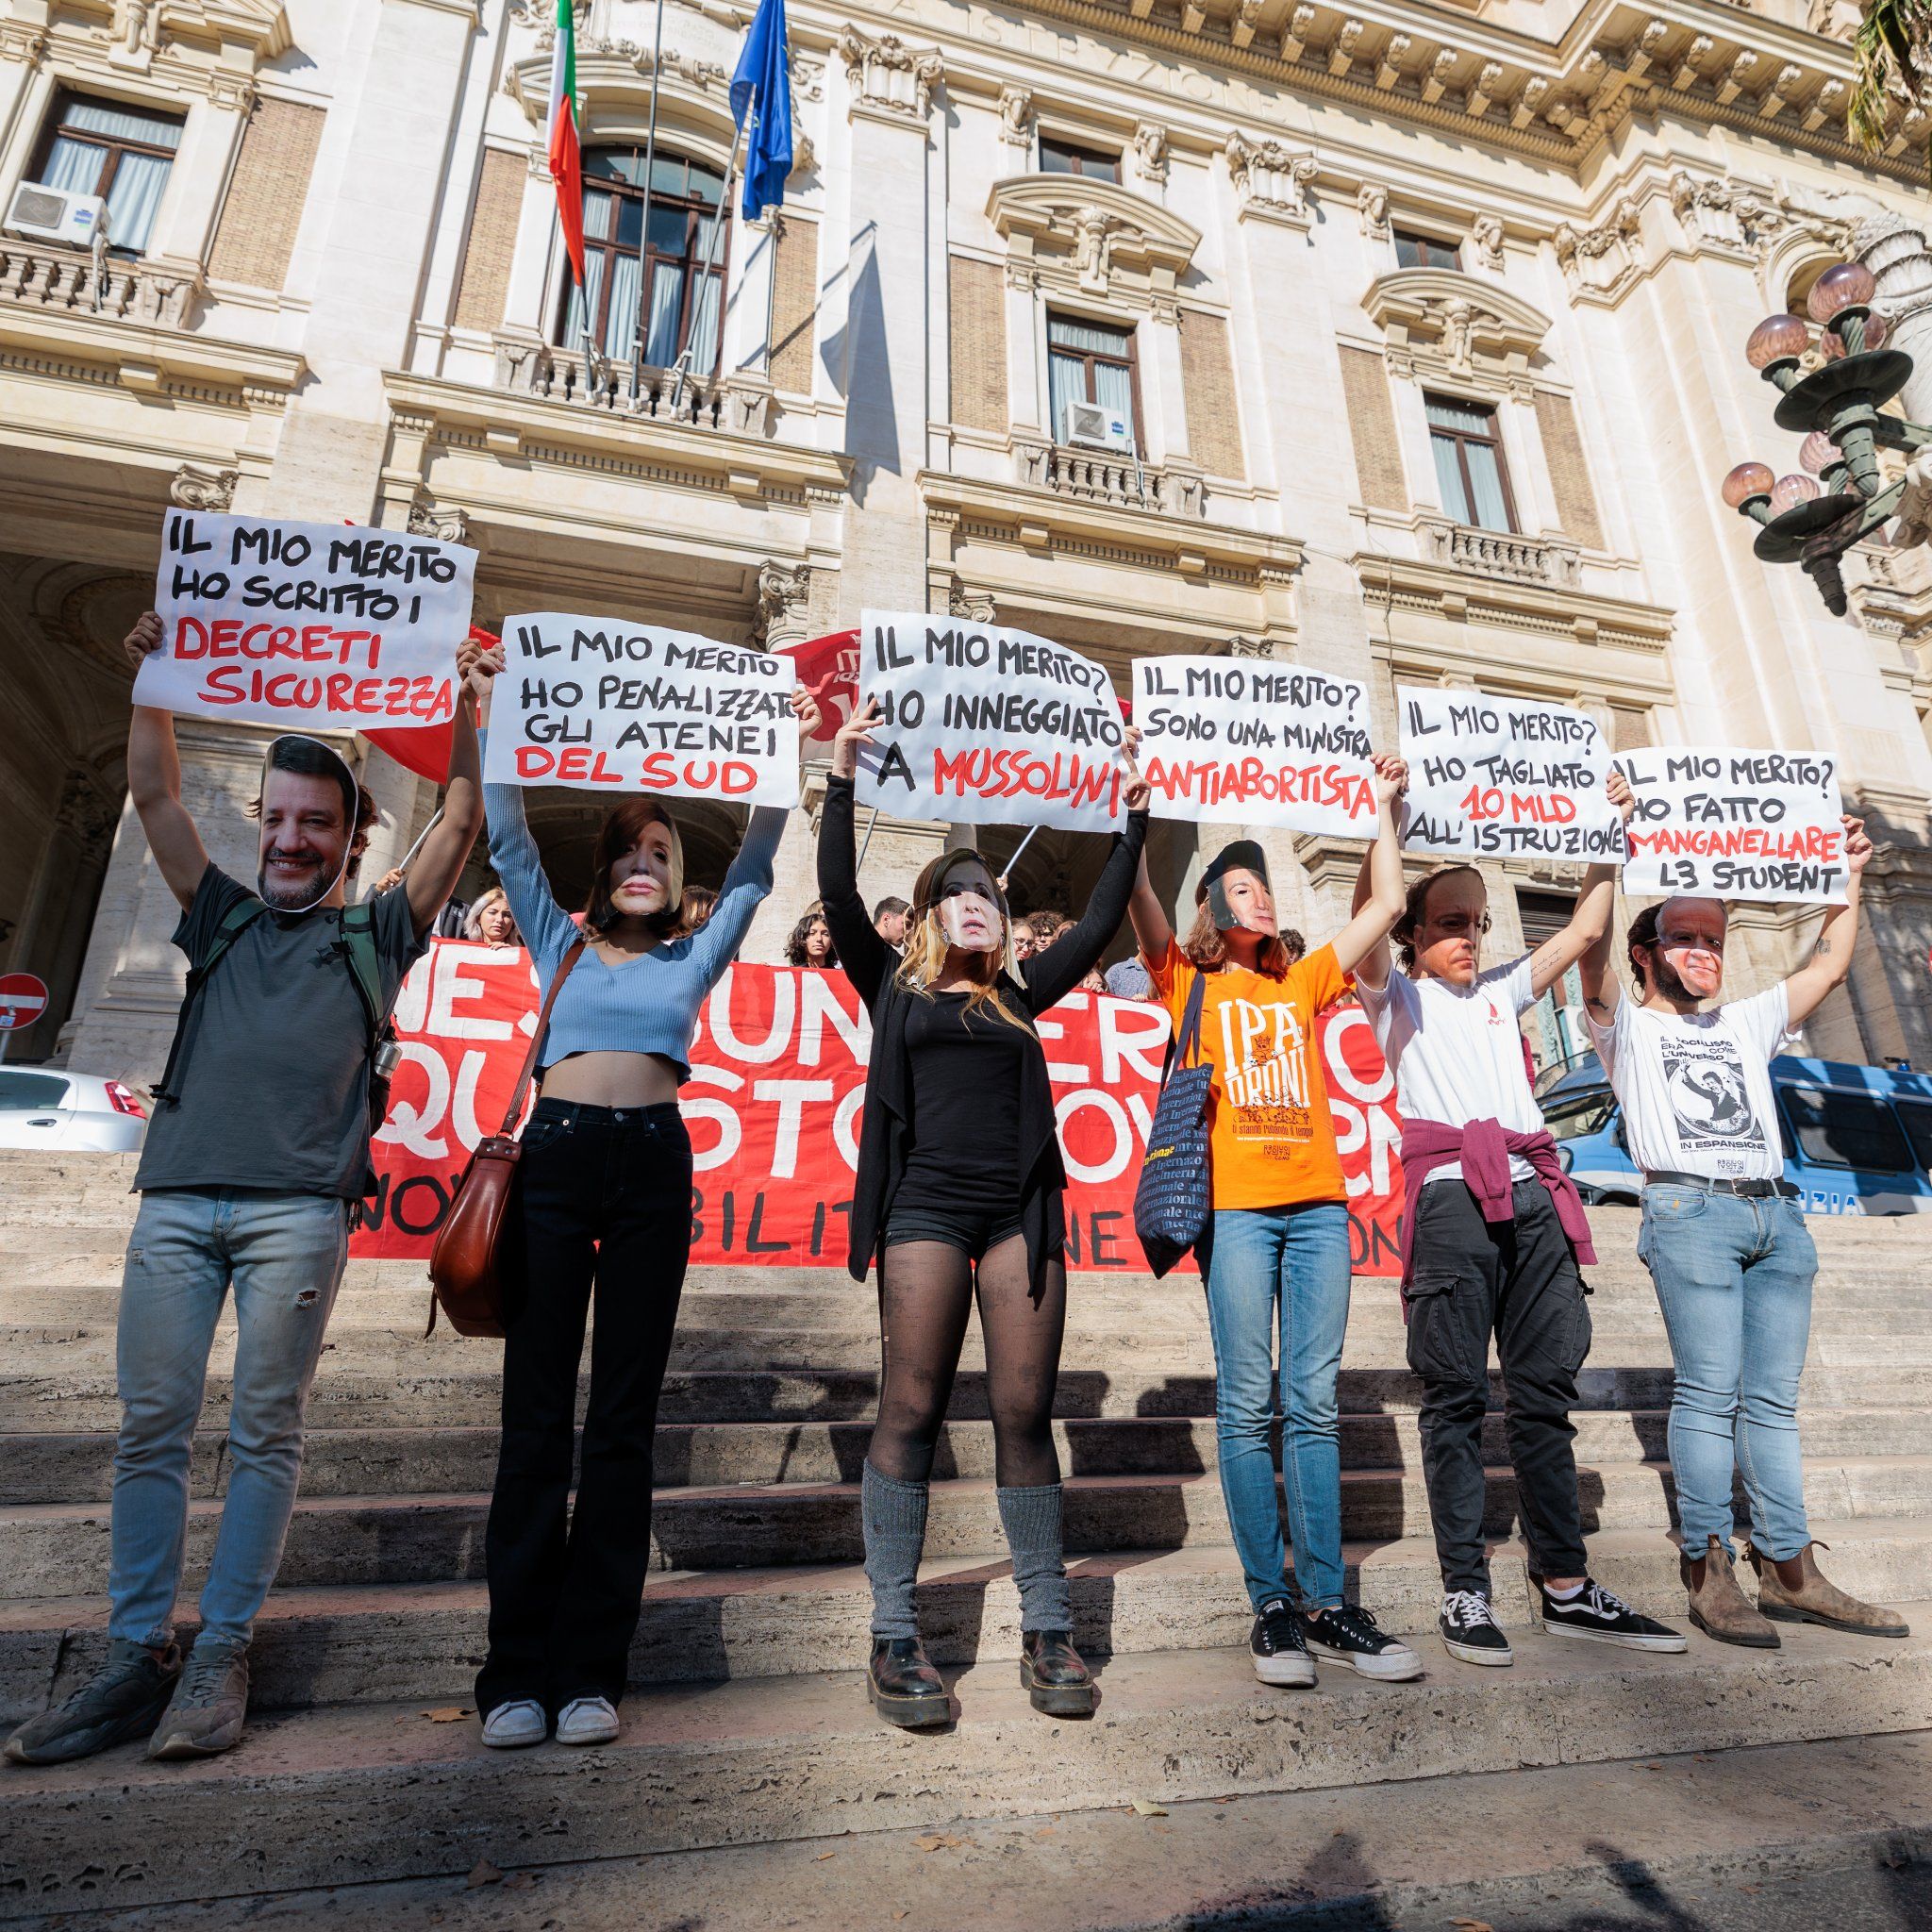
(926, 942)
(1640, 938)
(623, 825)
(1414, 908)
(1205, 947)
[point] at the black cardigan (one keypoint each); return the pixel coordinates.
(872, 966)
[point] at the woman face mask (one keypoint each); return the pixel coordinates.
(307, 824)
(969, 911)
(1238, 894)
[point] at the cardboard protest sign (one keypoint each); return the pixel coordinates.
(609, 706)
(326, 626)
(1505, 778)
(1264, 744)
(986, 726)
(1735, 825)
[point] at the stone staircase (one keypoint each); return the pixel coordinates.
(749, 1724)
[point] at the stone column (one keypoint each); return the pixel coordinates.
(1895, 248)
(24, 85)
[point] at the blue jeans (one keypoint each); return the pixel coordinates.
(1734, 1279)
(1285, 1266)
(285, 1255)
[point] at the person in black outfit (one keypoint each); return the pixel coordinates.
(958, 1191)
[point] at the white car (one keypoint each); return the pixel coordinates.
(71, 1113)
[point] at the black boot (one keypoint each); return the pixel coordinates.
(1056, 1679)
(904, 1687)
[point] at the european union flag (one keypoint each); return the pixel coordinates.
(763, 84)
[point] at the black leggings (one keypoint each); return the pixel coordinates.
(602, 1200)
(926, 1291)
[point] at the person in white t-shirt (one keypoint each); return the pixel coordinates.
(1492, 1232)
(1727, 1245)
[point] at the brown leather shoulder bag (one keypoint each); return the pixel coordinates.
(464, 1267)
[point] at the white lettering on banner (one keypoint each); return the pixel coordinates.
(1735, 825)
(1264, 745)
(778, 1040)
(790, 1096)
(607, 705)
(418, 1127)
(729, 1133)
(1125, 1148)
(986, 726)
(309, 626)
(1132, 1034)
(1505, 777)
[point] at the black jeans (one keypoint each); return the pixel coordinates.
(1519, 1281)
(602, 1197)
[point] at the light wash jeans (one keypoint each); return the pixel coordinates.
(1734, 1280)
(1285, 1268)
(285, 1255)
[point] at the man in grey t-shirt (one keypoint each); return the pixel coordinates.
(258, 1148)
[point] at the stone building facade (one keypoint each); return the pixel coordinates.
(1427, 325)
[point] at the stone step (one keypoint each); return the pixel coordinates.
(759, 1762)
(355, 1643)
(59, 1549)
(404, 1461)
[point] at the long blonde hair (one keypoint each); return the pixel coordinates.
(926, 945)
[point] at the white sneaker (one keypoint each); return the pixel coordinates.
(587, 1720)
(511, 1726)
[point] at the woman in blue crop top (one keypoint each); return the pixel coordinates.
(601, 1202)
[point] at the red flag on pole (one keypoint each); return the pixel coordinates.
(425, 749)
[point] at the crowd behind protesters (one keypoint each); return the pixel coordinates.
(258, 1157)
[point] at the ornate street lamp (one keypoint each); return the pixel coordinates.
(1836, 408)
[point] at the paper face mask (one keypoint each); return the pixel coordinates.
(1239, 897)
(307, 824)
(969, 920)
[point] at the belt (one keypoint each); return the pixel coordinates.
(1749, 1190)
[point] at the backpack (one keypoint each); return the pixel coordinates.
(357, 950)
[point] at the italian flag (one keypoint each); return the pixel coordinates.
(566, 152)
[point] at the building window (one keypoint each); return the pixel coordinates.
(122, 154)
(1063, 157)
(1089, 362)
(1413, 250)
(1469, 463)
(621, 260)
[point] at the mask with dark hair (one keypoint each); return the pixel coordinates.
(1241, 911)
(309, 805)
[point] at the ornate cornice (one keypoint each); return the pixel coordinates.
(1438, 321)
(1076, 233)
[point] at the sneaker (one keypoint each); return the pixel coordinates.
(1351, 1636)
(123, 1699)
(511, 1726)
(1470, 1630)
(1280, 1655)
(210, 1706)
(587, 1720)
(1603, 1617)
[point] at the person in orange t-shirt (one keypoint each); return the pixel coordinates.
(1276, 1257)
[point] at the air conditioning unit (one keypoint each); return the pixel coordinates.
(1094, 427)
(53, 214)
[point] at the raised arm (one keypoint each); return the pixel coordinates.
(1831, 957)
(440, 864)
(1590, 925)
(154, 780)
(1381, 873)
(1601, 989)
(746, 886)
(864, 956)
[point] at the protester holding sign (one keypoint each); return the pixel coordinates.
(600, 1204)
(1492, 1238)
(958, 1191)
(255, 1155)
(1275, 1259)
(1727, 1245)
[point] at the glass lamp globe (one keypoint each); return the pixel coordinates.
(1817, 452)
(1747, 481)
(1849, 284)
(1788, 493)
(1777, 339)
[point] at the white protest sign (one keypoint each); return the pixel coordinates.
(1735, 825)
(609, 705)
(1505, 777)
(986, 726)
(312, 626)
(1256, 743)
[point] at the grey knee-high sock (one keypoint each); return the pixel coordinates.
(893, 1514)
(1032, 1519)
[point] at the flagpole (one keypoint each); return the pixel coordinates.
(866, 847)
(637, 346)
(711, 262)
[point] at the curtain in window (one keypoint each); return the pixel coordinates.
(667, 299)
(619, 324)
(1064, 333)
(703, 327)
(120, 124)
(1483, 502)
(1066, 381)
(74, 167)
(1113, 389)
(1486, 479)
(583, 301)
(1449, 479)
(133, 201)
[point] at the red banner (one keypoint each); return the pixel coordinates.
(777, 1082)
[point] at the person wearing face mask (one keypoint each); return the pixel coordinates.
(1275, 1260)
(1492, 1233)
(957, 1193)
(1727, 1245)
(599, 1208)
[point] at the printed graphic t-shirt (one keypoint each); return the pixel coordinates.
(1270, 1133)
(1695, 1087)
(1457, 1052)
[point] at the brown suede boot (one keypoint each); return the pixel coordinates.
(1811, 1600)
(1718, 1607)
